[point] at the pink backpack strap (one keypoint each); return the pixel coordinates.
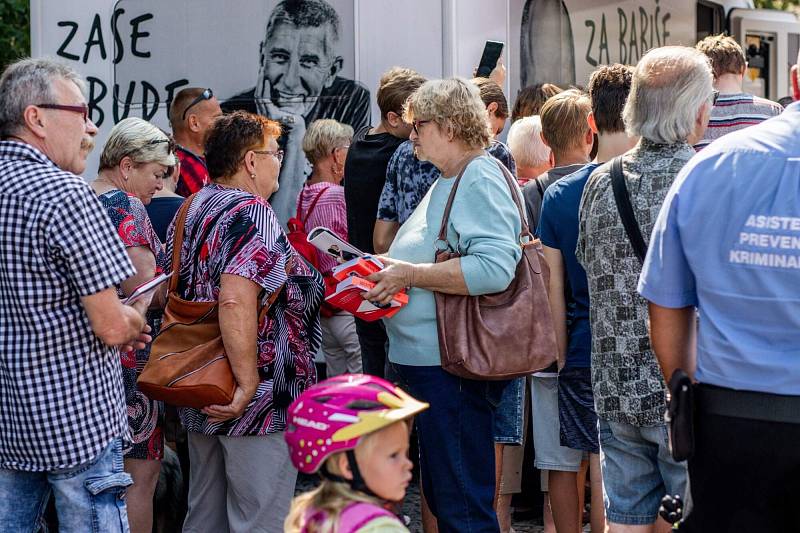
(359, 514)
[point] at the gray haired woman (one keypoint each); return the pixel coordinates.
(450, 129)
(135, 161)
(321, 203)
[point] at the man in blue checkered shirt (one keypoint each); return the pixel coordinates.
(63, 420)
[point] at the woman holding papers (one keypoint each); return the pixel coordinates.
(235, 252)
(135, 161)
(321, 203)
(450, 130)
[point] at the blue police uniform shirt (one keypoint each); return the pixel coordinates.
(558, 229)
(727, 240)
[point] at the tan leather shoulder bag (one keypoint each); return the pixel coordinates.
(188, 366)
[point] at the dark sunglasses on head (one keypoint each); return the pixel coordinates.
(208, 94)
(82, 109)
(170, 144)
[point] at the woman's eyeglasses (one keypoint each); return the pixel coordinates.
(417, 123)
(82, 109)
(277, 154)
(208, 94)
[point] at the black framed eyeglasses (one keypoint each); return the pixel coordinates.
(277, 154)
(82, 109)
(417, 123)
(208, 94)
(714, 97)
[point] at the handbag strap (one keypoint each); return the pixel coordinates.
(525, 230)
(177, 243)
(311, 207)
(625, 209)
(512, 185)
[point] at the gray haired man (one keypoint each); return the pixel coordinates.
(63, 419)
(668, 107)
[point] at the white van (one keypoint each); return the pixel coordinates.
(137, 54)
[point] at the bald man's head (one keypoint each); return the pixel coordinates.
(192, 113)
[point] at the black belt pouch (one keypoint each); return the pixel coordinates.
(680, 416)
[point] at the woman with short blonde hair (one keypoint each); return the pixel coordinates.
(456, 435)
(323, 137)
(322, 203)
(136, 159)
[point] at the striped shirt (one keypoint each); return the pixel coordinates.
(736, 111)
(330, 211)
(61, 394)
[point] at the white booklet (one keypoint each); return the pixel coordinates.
(327, 241)
(146, 288)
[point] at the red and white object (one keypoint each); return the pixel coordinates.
(349, 296)
(361, 267)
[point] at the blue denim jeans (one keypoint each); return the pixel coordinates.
(508, 422)
(637, 471)
(456, 446)
(89, 498)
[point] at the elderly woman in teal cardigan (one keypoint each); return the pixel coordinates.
(450, 130)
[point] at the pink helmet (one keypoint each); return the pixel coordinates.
(333, 415)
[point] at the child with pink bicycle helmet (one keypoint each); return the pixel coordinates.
(353, 430)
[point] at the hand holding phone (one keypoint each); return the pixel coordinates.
(492, 51)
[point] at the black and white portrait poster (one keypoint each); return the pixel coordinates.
(292, 61)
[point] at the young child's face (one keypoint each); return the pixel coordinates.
(384, 462)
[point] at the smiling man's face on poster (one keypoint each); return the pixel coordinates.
(298, 63)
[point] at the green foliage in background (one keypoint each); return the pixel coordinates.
(15, 30)
(777, 4)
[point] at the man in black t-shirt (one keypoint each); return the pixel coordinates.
(364, 176)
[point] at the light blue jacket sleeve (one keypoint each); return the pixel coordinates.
(486, 222)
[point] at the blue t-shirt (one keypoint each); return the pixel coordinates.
(727, 240)
(558, 229)
(162, 210)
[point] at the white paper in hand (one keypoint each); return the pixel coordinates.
(327, 241)
(146, 288)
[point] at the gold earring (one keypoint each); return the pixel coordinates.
(252, 176)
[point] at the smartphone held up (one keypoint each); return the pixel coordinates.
(492, 51)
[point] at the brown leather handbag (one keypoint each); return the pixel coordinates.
(188, 366)
(503, 335)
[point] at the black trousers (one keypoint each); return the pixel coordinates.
(373, 340)
(744, 476)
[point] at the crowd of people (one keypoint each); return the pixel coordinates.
(665, 211)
